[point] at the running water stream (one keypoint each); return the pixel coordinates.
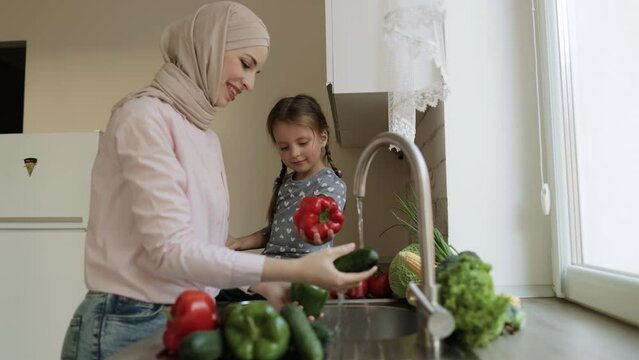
(341, 302)
(360, 220)
(360, 228)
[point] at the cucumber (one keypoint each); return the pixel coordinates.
(307, 344)
(356, 261)
(324, 333)
(202, 345)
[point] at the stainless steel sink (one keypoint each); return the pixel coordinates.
(380, 329)
(369, 321)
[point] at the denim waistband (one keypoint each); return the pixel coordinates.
(112, 300)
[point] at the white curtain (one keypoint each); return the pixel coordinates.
(414, 32)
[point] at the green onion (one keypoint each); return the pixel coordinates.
(406, 214)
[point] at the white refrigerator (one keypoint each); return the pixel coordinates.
(44, 208)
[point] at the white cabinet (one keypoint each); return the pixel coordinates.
(356, 75)
(355, 48)
(43, 219)
(56, 193)
(42, 277)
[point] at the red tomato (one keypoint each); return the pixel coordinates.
(171, 338)
(378, 285)
(358, 292)
(333, 294)
(193, 310)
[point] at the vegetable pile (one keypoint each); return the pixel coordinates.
(466, 290)
(252, 330)
(466, 287)
(255, 330)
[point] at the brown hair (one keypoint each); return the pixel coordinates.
(300, 110)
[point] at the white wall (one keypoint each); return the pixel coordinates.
(430, 138)
(491, 143)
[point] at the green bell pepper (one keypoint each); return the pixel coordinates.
(311, 297)
(255, 331)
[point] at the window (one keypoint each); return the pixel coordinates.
(591, 83)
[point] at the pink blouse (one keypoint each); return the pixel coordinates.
(159, 209)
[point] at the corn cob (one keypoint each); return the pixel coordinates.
(412, 261)
(514, 301)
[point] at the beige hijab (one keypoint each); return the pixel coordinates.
(193, 50)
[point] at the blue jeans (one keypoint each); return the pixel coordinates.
(106, 323)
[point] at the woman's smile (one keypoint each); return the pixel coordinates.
(232, 91)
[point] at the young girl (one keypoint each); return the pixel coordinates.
(299, 129)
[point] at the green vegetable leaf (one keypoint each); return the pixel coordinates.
(406, 215)
(466, 290)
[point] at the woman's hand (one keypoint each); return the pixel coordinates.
(277, 293)
(320, 270)
(316, 268)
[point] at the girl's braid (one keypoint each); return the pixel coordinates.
(328, 156)
(276, 188)
(280, 179)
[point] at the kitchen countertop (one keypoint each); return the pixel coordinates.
(555, 329)
(559, 329)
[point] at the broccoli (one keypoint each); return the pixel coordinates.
(466, 290)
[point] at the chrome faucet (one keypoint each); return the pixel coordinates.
(435, 321)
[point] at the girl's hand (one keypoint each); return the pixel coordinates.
(253, 241)
(318, 268)
(233, 243)
(317, 240)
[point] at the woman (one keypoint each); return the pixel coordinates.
(159, 202)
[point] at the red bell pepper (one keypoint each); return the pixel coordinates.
(193, 310)
(318, 214)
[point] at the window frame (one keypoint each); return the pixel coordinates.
(607, 291)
